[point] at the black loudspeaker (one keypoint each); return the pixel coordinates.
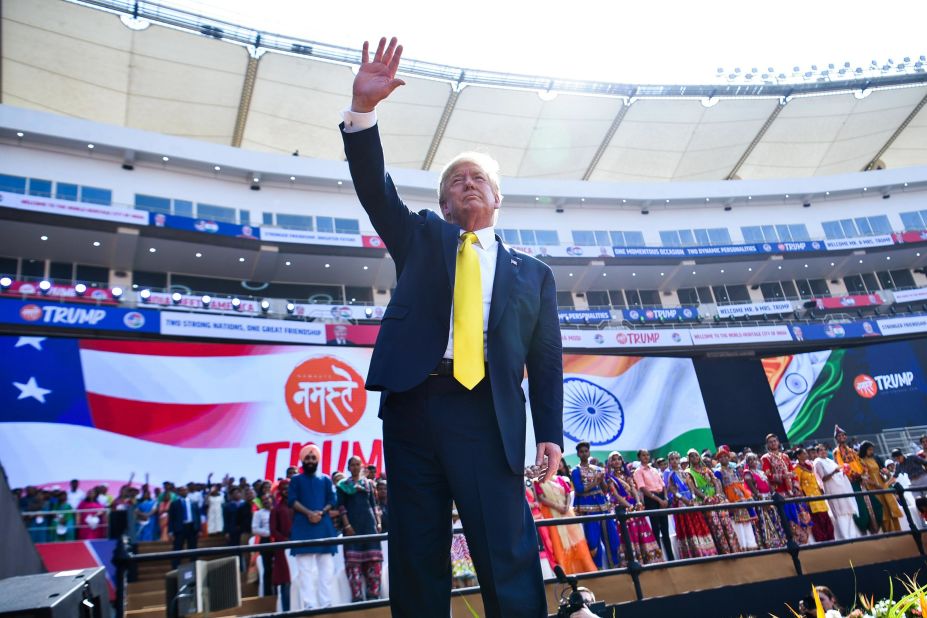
(69, 594)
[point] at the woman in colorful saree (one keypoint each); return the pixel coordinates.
(568, 543)
(769, 532)
(707, 490)
(736, 491)
(693, 536)
(625, 493)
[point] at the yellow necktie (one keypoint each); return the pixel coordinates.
(468, 315)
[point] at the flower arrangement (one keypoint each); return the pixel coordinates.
(913, 604)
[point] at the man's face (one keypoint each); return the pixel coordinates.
(899, 459)
(583, 453)
(310, 462)
(341, 332)
(381, 493)
(182, 491)
(644, 457)
(74, 483)
(469, 199)
(841, 437)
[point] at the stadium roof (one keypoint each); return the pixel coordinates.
(193, 77)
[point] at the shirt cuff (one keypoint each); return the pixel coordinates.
(358, 121)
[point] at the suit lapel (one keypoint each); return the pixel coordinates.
(449, 236)
(506, 270)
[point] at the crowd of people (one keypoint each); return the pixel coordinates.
(721, 477)
(311, 505)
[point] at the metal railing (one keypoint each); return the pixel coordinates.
(124, 559)
(48, 527)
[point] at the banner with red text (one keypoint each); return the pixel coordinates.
(82, 408)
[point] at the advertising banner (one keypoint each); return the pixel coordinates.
(235, 327)
(720, 250)
(779, 306)
(542, 251)
(585, 316)
(660, 314)
(31, 288)
(218, 305)
(338, 312)
(206, 226)
(910, 296)
(625, 339)
(864, 389)
(864, 242)
(850, 302)
(910, 236)
(626, 403)
(62, 315)
(835, 330)
(372, 242)
(304, 237)
(903, 326)
(51, 206)
(179, 411)
(735, 335)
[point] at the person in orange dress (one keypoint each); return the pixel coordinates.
(544, 544)
(568, 543)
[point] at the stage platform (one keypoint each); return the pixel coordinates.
(748, 585)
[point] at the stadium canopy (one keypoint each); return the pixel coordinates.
(179, 74)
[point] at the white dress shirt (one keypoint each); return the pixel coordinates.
(487, 249)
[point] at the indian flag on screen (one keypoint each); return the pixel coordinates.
(625, 403)
(803, 385)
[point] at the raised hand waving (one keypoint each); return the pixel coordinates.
(376, 78)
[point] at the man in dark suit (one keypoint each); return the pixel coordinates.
(183, 522)
(340, 335)
(468, 316)
(235, 511)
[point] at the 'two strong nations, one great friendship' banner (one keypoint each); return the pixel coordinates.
(99, 410)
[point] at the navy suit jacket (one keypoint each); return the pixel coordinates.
(523, 330)
(176, 515)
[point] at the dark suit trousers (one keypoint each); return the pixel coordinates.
(186, 536)
(442, 443)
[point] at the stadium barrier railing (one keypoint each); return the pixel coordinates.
(124, 558)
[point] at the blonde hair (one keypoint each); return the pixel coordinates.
(481, 160)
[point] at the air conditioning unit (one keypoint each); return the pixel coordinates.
(218, 584)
